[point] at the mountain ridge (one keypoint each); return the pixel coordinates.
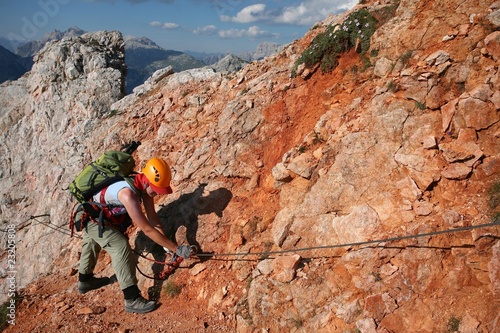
(13, 66)
(144, 56)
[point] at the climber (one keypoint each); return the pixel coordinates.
(125, 202)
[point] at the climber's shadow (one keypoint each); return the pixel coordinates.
(180, 218)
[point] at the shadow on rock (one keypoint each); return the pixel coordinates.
(180, 221)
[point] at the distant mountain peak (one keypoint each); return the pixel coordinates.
(262, 50)
(57, 35)
(30, 48)
(132, 42)
(230, 63)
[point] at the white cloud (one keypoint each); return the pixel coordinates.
(296, 15)
(311, 11)
(256, 32)
(170, 25)
(253, 32)
(133, 1)
(348, 4)
(166, 25)
(206, 30)
(231, 33)
(141, 1)
(249, 14)
(306, 13)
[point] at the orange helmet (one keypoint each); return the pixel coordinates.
(157, 171)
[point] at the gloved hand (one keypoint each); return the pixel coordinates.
(183, 251)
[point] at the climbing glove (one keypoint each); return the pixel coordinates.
(183, 251)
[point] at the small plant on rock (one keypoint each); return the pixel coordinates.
(419, 105)
(298, 323)
(3, 316)
(172, 289)
(453, 324)
(326, 47)
(494, 201)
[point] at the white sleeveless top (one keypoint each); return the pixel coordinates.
(111, 197)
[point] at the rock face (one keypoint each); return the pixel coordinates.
(308, 172)
(144, 57)
(47, 121)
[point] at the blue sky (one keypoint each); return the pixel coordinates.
(196, 25)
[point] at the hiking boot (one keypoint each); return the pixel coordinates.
(94, 283)
(139, 305)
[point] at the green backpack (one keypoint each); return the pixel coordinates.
(110, 167)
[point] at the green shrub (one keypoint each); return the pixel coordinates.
(172, 289)
(405, 57)
(494, 192)
(494, 201)
(453, 324)
(298, 323)
(4, 313)
(391, 86)
(366, 62)
(3, 316)
(249, 282)
(420, 106)
(328, 46)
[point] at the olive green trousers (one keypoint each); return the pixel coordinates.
(116, 245)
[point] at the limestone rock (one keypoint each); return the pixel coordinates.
(456, 171)
(50, 116)
(492, 43)
(437, 58)
(284, 268)
(330, 161)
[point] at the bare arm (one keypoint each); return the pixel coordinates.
(152, 215)
(151, 227)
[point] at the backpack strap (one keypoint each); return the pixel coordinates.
(105, 212)
(95, 211)
(130, 179)
(100, 214)
(114, 221)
